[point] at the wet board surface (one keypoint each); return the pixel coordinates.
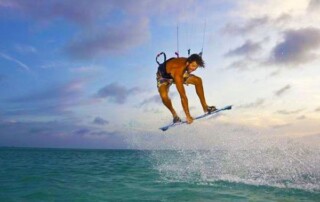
(164, 128)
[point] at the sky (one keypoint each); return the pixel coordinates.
(81, 74)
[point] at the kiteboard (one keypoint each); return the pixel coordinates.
(164, 128)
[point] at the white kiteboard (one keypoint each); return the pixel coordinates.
(164, 128)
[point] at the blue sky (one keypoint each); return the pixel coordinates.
(82, 74)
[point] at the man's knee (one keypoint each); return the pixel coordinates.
(196, 80)
(199, 80)
(164, 97)
(163, 93)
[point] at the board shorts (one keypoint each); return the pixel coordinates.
(168, 81)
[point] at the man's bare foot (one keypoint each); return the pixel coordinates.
(189, 120)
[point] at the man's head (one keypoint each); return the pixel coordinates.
(193, 62)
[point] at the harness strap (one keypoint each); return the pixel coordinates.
(164, 57)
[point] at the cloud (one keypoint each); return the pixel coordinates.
(58, 135)
(75, 11)
(91, 133)
(100, 121)
(82, 12)
(8, 4)
(248, 54)
(86, 69)
(116, 93)
(259, 102)
(240, 65)
(52, 101)
(112, 40)
(152, 110)
(317, 109)
(256, 24)
(297, 47)
(244, 28)
(279, 126)
(65, 92)
(314, 5)
(302, 117)
(271, 8)
(154, 99)
(102, 134)
(282, 90)
(52, 109)
(285, 112)
(104, 29)
(25, 49)
(18, 62)
(274, 73)
(81, 132)
(282, 19)
(246, 49)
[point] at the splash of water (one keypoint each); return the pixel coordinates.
(233, 154)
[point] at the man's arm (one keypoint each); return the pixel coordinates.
(178, 79)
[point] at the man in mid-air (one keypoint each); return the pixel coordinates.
(178, 71)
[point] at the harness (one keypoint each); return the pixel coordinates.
(162, 66)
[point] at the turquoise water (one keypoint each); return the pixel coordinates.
(28, 174)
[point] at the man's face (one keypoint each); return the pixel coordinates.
(192, 66)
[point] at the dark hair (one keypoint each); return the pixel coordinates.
(197, 58)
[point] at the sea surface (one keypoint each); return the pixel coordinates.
(32, 174)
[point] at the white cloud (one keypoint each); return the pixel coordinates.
(271, 8)
(21, 64)
(25, 49)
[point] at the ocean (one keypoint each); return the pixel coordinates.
(33, 174)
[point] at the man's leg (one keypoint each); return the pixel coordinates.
(163, 91)
(197, 82)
